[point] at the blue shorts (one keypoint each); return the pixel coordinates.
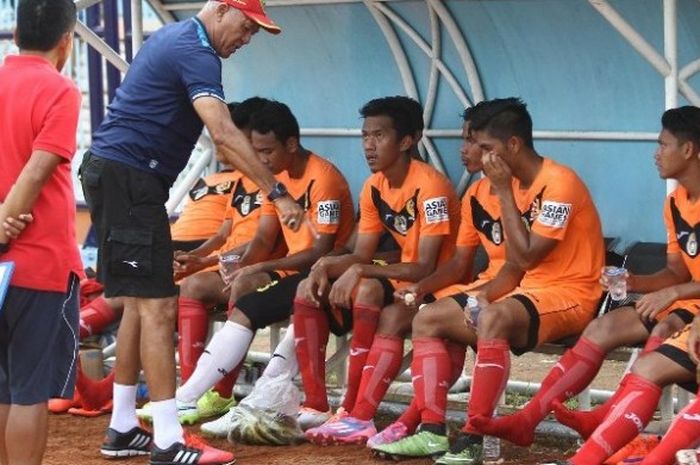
(38, 344)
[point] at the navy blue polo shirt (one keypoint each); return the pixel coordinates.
(151, 123)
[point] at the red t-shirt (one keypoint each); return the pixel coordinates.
(39, 111)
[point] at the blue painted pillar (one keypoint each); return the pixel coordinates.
(111, 36)
(97, 109)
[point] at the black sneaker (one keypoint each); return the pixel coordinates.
(136, 441)
(195, 452)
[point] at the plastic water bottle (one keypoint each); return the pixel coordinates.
(687, 457)
(491, 449)
(617, 283)
(474, 309)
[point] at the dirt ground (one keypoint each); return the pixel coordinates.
(75, 440)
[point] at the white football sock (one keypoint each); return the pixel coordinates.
(166, 427)
(284, 359)
(124, 408)
(225, 350)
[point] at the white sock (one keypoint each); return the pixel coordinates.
(225, 350)
(284, 359)
(124, 408)
(166, 428)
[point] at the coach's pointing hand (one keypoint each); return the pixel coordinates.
(291, 213)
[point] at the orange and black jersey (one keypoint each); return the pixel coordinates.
(481, 224)
(560, 207)
(424, 205)
(682, 218)
(324, 194)
(203, 213)
(244, 212)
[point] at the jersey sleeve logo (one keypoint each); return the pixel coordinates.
(328, 212)
(436, 210)
(489, 226)
(245, 202)
(686, 235)
(533, 211)
(401, 221)
(201, 189)
(554, 214)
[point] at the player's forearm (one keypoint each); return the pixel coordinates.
(300, 261)
(210, 245)
(507, 279)
(336, 266)
(26, 189)
(410, 272)
(518, 238)
(450, 272)
(257, 251)
(654, 282)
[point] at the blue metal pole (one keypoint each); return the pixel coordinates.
(95, 73)
(126, 19)
(111, 23)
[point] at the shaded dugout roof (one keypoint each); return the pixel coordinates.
(596, 76)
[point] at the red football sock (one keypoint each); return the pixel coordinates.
(193, 326)
(95, 317)
(684, 433)
(411, 417)
(585, 422)
(574, 371)
(489, 378)
(365, 319)
(94, 394)
(636, 405)
(431, 372)
(652, 343)
(383, 365)
(311, 337)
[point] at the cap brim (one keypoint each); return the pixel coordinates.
(264, 22)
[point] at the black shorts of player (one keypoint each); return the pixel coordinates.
(272, 303)
(38, 344)
(340, 319)
(187, 246)
(683, 359)
(127, 208)
(685, 315)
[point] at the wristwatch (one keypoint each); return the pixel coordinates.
(278, 190)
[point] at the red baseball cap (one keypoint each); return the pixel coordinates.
(254, 9)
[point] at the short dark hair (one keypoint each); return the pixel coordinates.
(415, 111)
(504, 118)
(241, 112)
(683, 123)
(470, 112)
(42, 23)
(395, 108)
(276, 117)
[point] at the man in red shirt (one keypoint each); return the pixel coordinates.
(39, 317)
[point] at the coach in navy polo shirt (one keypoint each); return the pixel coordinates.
(171, 91)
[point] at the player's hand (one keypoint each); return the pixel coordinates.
(498, 172)
(13, 227)
(238, 273)
(316, 286)
(342, 290)
(414, 293)
(654, 302)
(291, 214)
(694, 341)
(187, 264)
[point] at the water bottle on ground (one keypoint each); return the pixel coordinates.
(491, 449)
(687, 457)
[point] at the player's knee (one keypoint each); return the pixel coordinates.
(666, 327)
(495, 321)
(370, 292)
(193, 287)
(647, 367)
(426, 322)
(395, 320)
(162, 314)
(598, 330)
